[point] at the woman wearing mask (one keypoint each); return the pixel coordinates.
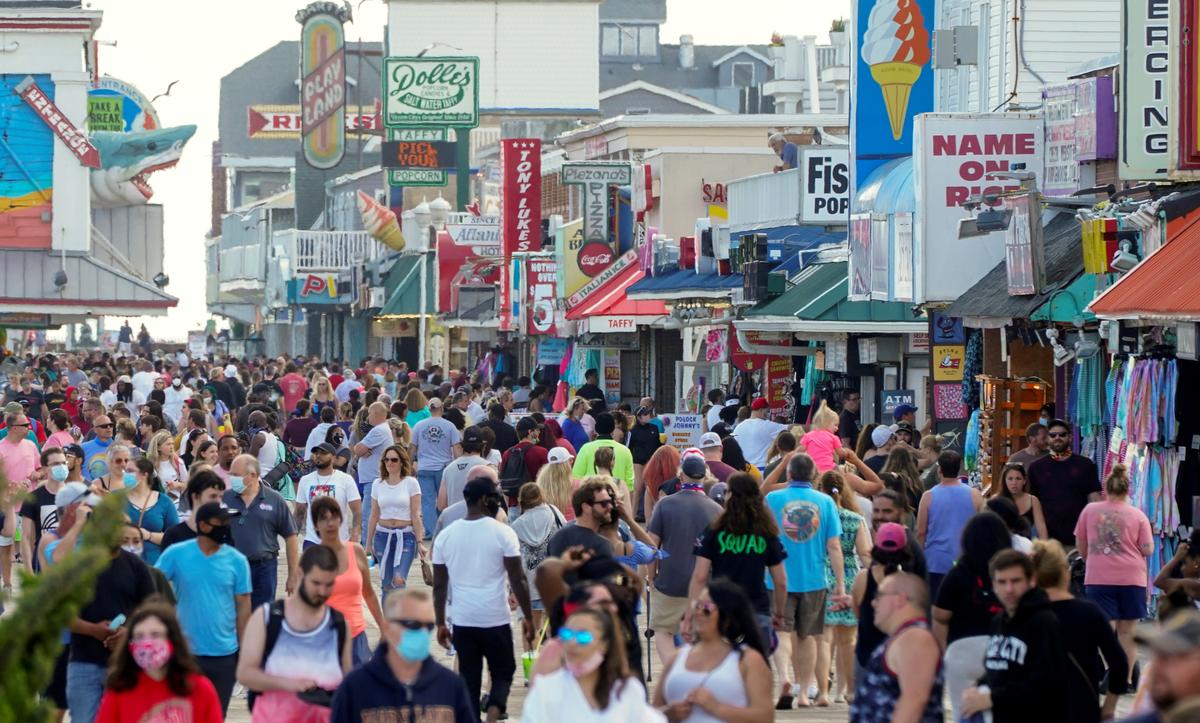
(723, 674)
(1016, 488)
(118, 460)
(395, 529)
(149, 508)
(336, 436)
(352, 587)
(1086, 637)
(1114, 538)
(153, 670)
(594, 683)
(837, 645)
(170, 467)
(418, 407)
(966, 604)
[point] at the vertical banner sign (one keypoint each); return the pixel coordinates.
(541, 274)
(323, 83)
(588, 249)
(860, 257)
(1062, 163)
(1145, 70)
(521, 195)
(48, 112)
(891, 78)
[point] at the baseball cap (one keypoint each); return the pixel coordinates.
(905, 427)
(230, 371)
(325, 447)
(733, 402)
(472, 435)
(693, 466)
(903, 409)
(891, 537)
(1179, 634)
(435, 403)
(213, 511)
(881, 434)
(645, 412)
(758, 404)
(525, 425)
(74, 450)
(692, 452)
(69, 494)
(710, 439)
(558, 455)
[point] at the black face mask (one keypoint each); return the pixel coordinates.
(220, 534)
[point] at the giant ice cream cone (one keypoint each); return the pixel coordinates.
(380, 221)
(896, 48)
(896, 81)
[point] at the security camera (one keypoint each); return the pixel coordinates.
(60, 279)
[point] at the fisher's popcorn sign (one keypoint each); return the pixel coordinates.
(430, 92)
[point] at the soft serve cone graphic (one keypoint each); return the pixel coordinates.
(896, 47)
(380, 221)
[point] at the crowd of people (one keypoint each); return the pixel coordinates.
(776, 566)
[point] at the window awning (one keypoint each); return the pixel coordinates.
(685, 284)
(1164, 286)
(403, 287)
(93, 288)
(819, 303)
(611, 299)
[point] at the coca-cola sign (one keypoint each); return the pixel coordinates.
(595, 257)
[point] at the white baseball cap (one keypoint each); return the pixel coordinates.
(558, 455)
(709, 440)
(881, 434)
(230, 371)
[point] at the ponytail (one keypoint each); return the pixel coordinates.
(1117, 482)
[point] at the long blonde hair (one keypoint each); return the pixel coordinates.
(401, 432)
(556, 484)
(415, 400)
(321, 379)
(154, 453)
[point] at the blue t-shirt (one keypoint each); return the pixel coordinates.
(808, 520)
(95, 458)
(206, 587)
(574, 432)
(159, 517)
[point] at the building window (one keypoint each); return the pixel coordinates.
(648, 40)
(610, 40)
(743, 75)
(629, 40)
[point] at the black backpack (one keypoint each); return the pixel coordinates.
(513, 472)
(275, 626)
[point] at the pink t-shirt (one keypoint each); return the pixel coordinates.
(822, 446)
(1114, 533)
(19, 460)
(59, 439)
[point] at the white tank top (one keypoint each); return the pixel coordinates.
(723, 681)
(268, 454)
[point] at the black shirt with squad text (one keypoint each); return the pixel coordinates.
(743, 559)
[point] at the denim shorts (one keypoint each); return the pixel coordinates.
(1119, 602)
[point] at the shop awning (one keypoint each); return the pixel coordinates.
(611, 304)
(819, 303)
(403, 287)
(1163, 286)
(92, 287)
(988, 303)
(685, 284)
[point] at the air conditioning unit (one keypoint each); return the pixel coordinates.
(376, 297)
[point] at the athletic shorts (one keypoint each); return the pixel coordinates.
(666, 611)
(1119, 602)
(804, 613)
(5, 541)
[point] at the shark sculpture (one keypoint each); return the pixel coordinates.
(127, 159)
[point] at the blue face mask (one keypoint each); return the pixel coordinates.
(237, 484)
(414, 646)
(59, 472)
(130, 479)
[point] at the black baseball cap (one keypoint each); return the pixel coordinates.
(325, 447)
(694, 467)
(210, 511)
(472, 435)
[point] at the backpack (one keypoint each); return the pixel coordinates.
(275, 626)
(277, 476)
(513, 472)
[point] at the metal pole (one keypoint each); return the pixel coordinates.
(423, 309)
(462, 168)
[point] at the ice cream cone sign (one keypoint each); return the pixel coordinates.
(380, 221)
(896, 47)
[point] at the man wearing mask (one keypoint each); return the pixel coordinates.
(39, 514)
(297, 644)
(1025, 664)
(263, 518)
(175, 397)
(472, 560)
(203, 487)
(402, 676)
(212, 584)
(228, 448)
(1064, 483)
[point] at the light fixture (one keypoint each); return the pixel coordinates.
(423, 214)
(439, 209)
(160, 279)
(1062, 354)
(969, 228)
(992, 219)
(60, 279)
(1124, 259)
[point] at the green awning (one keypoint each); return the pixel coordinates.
(402, 287)
(1066, 306)
(819, 303)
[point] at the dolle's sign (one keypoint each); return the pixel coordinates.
(431, 92)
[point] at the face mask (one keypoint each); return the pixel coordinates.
(414, 646)
(150, 654)
(220, 534)
(130, 479)
(587, 666)
(237, 484)
(1044, 421)
(59, 472)
(135, 549)
(176, 383)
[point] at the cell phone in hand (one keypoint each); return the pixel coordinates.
(117, 622)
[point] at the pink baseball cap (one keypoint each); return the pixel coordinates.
(891, 537)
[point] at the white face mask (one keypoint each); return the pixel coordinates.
(135, 549)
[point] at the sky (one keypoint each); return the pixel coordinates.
(199, 45)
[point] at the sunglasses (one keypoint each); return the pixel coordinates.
(391, 459)
(22, 424)
(704, 607)
(409, 624)
(120, 461)
(602, 503)
(579, 637)
(103, 426)
(1058, 435)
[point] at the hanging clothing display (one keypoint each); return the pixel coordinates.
(972, 367)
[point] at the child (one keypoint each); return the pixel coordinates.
(822, 442)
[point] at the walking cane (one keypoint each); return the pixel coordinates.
(649, 639)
